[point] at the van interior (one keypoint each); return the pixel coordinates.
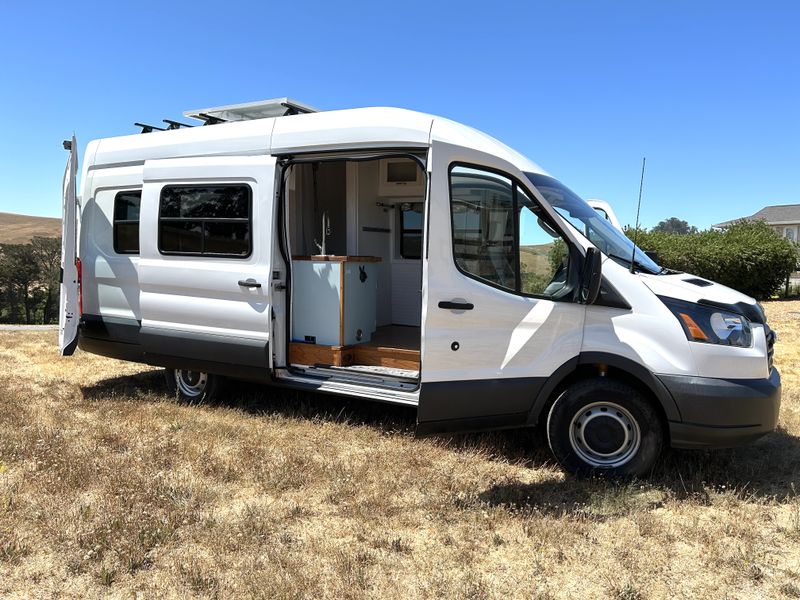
(354, 231)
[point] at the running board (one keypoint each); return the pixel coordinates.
(393, 383)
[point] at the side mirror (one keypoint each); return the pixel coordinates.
(652, 255)
(591, 276)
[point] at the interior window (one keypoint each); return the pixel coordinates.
(411, 230)
(126, 222)
(499, 235)
(205, 220)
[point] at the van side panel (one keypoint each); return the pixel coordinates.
(110, 280)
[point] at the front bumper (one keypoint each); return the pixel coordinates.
(722, 413)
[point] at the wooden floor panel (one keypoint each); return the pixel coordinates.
(393, 346)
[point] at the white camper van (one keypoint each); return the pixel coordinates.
(401, 257)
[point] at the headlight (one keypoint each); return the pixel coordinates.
(711, 325)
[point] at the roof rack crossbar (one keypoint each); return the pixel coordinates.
(148, 128)
(175, 124)
(210, 119)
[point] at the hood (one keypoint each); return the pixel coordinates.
(691, 288)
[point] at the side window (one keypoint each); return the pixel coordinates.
(411, 230)
(205, 220)
(499, 235)
(126, 222)
(543, 255)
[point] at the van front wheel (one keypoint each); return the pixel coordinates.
(604, 427)
(194, 387)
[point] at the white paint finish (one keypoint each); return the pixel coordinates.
(733, 363)
(201, 294)
(675, 286)
(351, 129)
(374, 243)
(242, 138)
(69, 310)
(316, 301)
(316, 295)
(111, 280)
(359, 301)
(504, 336)
(648, 334)
(406, 292)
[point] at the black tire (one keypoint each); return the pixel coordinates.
(193, 387)
(606, 428)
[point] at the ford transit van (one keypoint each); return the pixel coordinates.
(401, 257)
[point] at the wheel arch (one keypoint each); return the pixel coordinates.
(590, 364)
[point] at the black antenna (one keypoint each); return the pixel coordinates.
(638, 206)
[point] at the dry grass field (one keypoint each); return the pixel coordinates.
(19, 229)
(110, 488)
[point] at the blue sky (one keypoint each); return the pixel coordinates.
(709, 92)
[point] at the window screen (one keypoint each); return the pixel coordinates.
(126, 222)
(205, 220)
(500, 237)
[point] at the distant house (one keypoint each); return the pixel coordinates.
(783, 218)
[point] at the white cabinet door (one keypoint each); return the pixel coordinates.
(487, 347)
(207, 228)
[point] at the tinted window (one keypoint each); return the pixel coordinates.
(411, 230)
(211, 220)
(126, 222)
(501, 237)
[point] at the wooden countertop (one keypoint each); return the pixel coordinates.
(333, 258)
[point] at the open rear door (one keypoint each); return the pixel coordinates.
(69, 310)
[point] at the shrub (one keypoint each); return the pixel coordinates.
(748, 256)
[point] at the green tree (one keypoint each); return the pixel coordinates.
(29, 281)
(748, 256)
(675, 225)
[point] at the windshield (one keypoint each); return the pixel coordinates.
(593, 226)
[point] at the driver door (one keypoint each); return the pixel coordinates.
(499, 317)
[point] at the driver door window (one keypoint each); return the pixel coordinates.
(499, 236)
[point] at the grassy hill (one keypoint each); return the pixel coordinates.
(535, 258)
(19, 229)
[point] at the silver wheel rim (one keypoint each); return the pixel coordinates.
(604, 435)
(191, 383)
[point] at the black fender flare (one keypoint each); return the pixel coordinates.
(621, 363)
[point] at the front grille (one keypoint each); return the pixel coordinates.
(770, 347)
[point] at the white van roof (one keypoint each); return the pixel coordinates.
(351, 129)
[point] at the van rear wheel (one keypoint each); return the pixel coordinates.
(604, 427)
(194, 387)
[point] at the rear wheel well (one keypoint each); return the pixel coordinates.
(590, 371)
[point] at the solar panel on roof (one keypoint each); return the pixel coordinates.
(263, 109)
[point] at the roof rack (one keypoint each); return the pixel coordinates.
(175, 124)
(148, 128)
(263, 109)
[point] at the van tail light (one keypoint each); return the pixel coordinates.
(80, 286)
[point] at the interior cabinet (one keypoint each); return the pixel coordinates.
(333, 300)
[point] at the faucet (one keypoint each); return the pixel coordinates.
(326, 231)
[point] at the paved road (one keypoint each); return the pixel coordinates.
(28, 327)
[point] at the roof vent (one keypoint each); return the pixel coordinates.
(263, 109)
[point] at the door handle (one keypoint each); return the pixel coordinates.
(448, 304)
(249, 283)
